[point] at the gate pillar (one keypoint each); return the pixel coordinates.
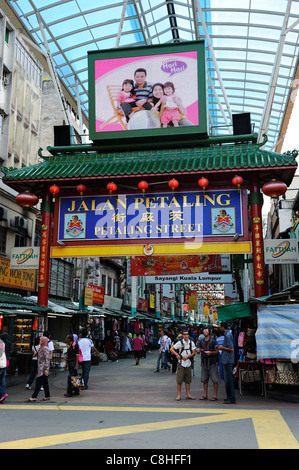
(44, 262)
(256, 200)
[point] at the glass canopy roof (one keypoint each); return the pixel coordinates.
(251, 47)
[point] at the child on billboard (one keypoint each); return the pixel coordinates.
(171, 103)
(126, 96)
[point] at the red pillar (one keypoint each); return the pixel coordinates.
(256, 200)
(44, 262)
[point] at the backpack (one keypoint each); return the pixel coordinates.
(190, 341)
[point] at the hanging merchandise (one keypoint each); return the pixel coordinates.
(101, 329)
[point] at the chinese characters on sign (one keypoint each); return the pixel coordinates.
(44, 259)
(258, 250)
(184, 215)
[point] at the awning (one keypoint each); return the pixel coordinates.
(233, 311)
(278, 332)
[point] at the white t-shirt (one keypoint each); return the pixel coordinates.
(86, 344)
(51, 345)
(184, 351)
(162, 340)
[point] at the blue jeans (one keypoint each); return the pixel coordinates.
(163, 359)
(2, 382)
(85, 371)
(229, 382)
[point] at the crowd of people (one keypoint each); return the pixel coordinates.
(176, 352)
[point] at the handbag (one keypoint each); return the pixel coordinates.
(250, 375)
(3, 360)
(270, 374)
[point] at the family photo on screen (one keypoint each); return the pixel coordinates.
(149, 92)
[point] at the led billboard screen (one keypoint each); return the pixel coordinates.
(138, 93)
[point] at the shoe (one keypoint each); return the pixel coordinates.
(227, 402)
(156, 370)
(84, 388)
(42, 389)
(67, 395)
(3, 397)
(28, 387)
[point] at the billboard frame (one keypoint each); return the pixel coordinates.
(146, 137)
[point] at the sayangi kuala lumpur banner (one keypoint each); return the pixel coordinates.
(184, 215)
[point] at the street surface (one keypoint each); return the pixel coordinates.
(128, 408)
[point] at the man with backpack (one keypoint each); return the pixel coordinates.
(209, 354)
(184, 351)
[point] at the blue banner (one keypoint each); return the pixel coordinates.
(151, 216)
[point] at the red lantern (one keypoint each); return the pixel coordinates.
(143, 185)
(81, 188)
(274, 189)
(203, 182)
(54, 189)
(111, 187)
(173, 184)
(27, 199)
(237, 181)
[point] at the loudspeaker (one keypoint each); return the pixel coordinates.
(62, 136)
(241, 124)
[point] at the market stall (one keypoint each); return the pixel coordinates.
(277, 340)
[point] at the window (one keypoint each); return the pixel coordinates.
(20, 240)
(104, 282)
(109, 286)
(7, 35)
(3, 233)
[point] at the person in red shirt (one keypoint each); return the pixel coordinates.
(137, 347)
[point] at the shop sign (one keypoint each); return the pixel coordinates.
(281, 251)
(98, 294)
(16, 278)
(162, 216)
(88, 296)
(25, 258)
(142, 305)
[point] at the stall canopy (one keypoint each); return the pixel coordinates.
(233, 311)
(277, 336)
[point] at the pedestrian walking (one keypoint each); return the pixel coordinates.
(137, 347)
(72, 362)
(209, 370)
(51, 344)
(43, 367)
(86, 345)
(5, 347)
(227, 360)
(163, 346)
(35, 348)
(184, 350)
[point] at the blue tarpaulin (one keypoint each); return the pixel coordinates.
(277, 335)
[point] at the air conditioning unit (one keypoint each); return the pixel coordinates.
(3, 213)
(19, 222)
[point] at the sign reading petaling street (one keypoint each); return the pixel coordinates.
(146, 219)
(153, 216)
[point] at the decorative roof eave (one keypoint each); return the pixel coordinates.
(216, 159)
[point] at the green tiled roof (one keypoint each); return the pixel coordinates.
(96, 165)
(9, 300)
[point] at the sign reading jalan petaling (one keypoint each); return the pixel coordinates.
(146, 218)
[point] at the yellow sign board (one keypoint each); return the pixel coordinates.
(88, 296)
(24, 279)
